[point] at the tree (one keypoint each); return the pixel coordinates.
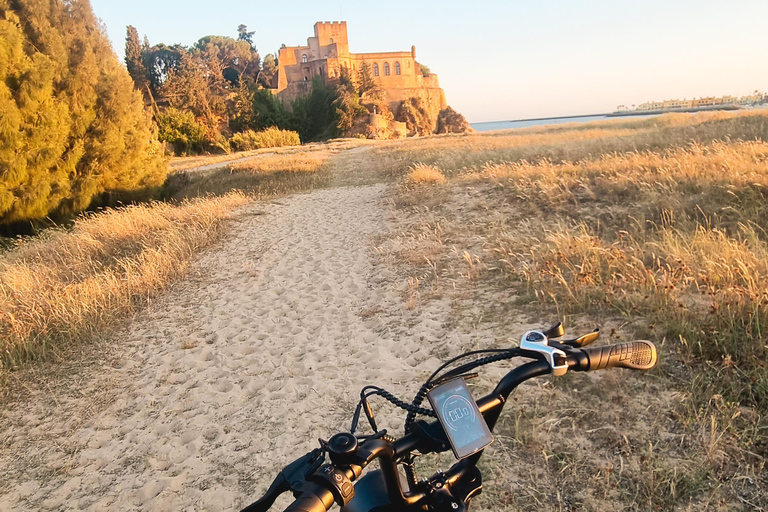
(244, 35)
(269, 111)
(190, 86)
(227, 58)
(244, 115)
(315, 114)
(73, 126)
(367, 85)
(348, 109)
(134, 59)
(268, 72)
(159, 61)
(347, 104)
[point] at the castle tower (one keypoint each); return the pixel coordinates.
(333, 32)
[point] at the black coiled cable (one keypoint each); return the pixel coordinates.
(414, 408)
(499, 355)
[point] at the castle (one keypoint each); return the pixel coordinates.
(398, 73)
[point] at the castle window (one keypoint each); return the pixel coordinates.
(397, 68)
(386, 68)
(331, 40)
(375, 69)
(304, 58)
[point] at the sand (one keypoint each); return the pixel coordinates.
(233, 372)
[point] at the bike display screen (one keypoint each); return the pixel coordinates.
(461, 419)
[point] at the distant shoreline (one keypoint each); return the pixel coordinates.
(669, 110)
(619, 114)
(544, 118)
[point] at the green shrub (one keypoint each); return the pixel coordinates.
(180, 129)
(272, 137)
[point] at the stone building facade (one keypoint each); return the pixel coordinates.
(398, 73)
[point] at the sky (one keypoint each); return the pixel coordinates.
(504, 60)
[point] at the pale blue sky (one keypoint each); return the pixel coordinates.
(506, 59)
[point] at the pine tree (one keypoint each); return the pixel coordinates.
(244, 35)
(72, 125)
(367, 86)
(134, 59)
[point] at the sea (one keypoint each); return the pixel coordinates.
(524, 123)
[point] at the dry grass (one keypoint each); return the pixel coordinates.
(454, 154)
(70, 286)
(421, 174)
(263, 176)
(192, 162)
(679, 236)
(182, 163)
(657, 238)
(302, 162)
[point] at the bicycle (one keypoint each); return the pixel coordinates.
(462, 425)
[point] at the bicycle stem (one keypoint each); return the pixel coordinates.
(490, 406)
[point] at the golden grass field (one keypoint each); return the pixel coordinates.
(66, 286)
(652, 228)
(658, 235)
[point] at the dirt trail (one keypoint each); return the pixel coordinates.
(232, 373)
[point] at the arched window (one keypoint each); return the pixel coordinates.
(386, 68)
(375, 69)
(331, 40)
(304, 58)
(397, 68)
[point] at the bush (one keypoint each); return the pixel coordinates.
(450, 121)
(421, 174)
(180, 129)
(270, 138)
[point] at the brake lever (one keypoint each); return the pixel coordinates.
(583, 341)
(556, 331)
(292, 478)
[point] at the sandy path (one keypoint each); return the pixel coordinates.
(226, 163)
(232, 374)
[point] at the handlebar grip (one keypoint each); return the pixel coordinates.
(315, 498)
(637, 355)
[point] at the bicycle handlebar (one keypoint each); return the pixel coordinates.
(636, 355)
(316, 498)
